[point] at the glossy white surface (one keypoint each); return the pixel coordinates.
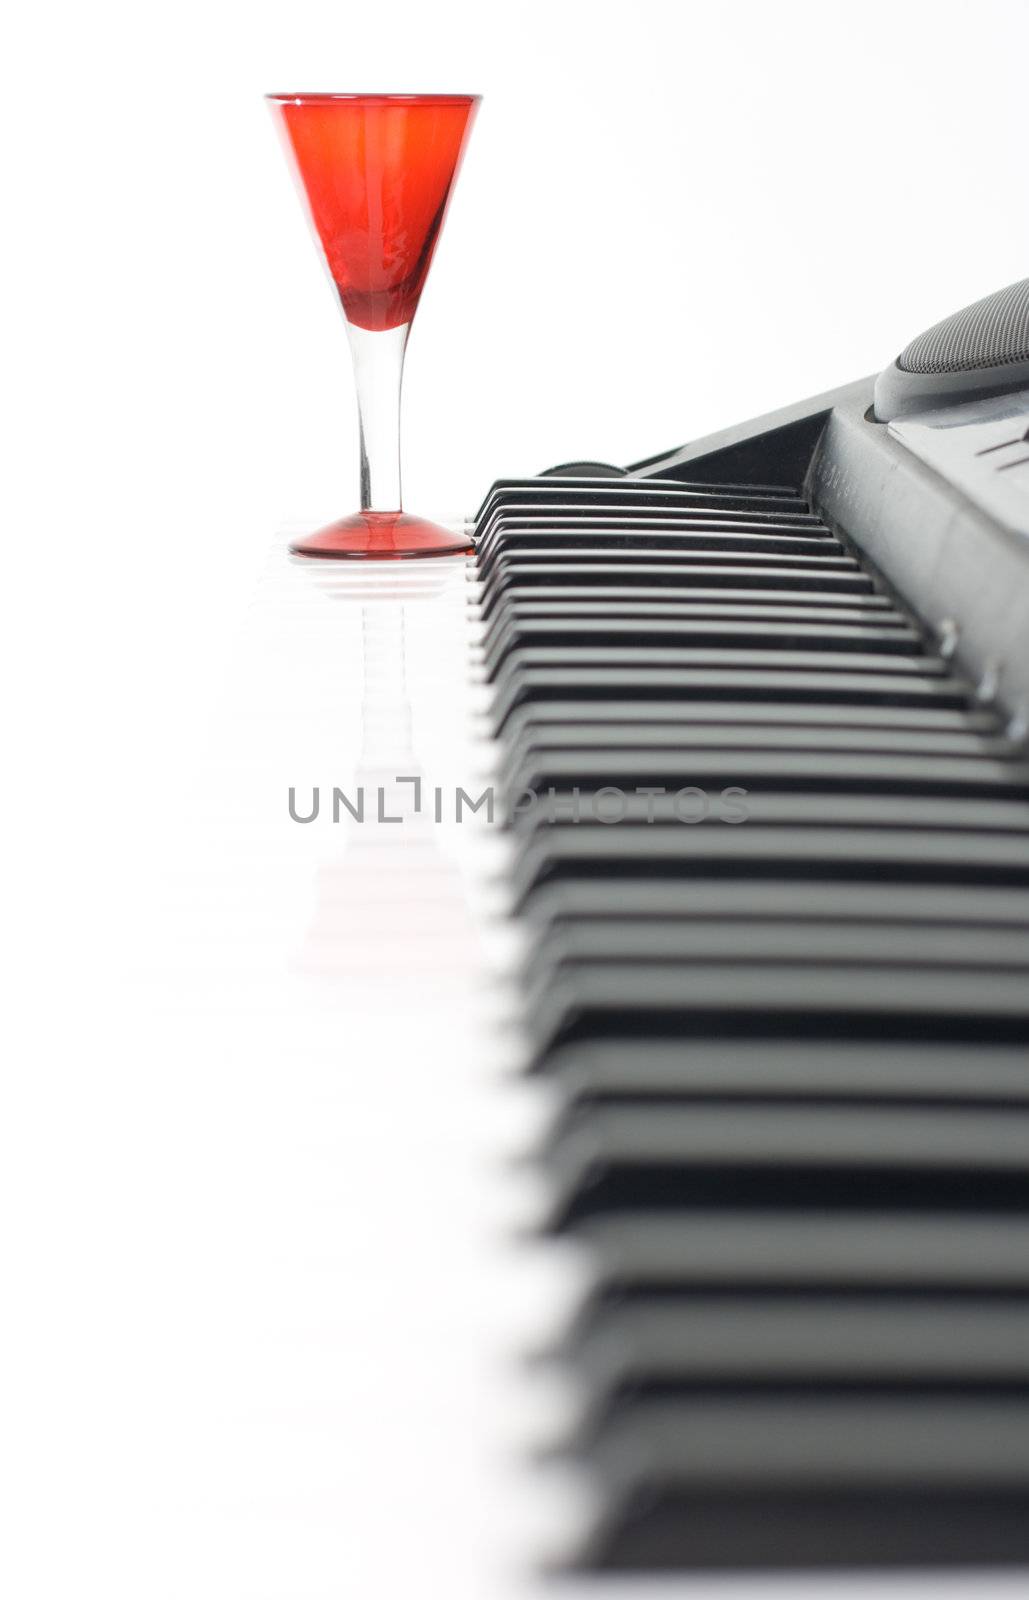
(348, 1129)
(342, 1404)
(276, 1340)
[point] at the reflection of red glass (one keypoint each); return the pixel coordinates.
(378, 171)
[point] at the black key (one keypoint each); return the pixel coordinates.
(654, 941)
(753, 999)
(712, 1069)
(677, 572)
(718, 530)
(541, 494)
(533, 810)
(655, 742)
(675, 1346)
(755, 851)
(745, 718)
(667, 1157)
(734, 637)
(811, 1482)
(628, 659)
(688, 600)
(754, 611)
(776, 684)
(824, 897)
(778, 770)
(576, 526)
(693, 555)
(640, 1252)
(688, 733)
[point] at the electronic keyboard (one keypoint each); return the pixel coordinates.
(645, 968)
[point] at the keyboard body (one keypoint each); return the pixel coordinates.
(761, 708)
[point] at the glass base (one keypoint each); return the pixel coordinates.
(381, 536)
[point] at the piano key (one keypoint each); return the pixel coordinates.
(811, 771)
(829, 1440)
(777, 683)
(625, 942)
(829, 808)
(629, 659)
(894, 856)
(735, 637)
(754, 999)
(540, 506)
(524, 518)
(547, 488)
(597, 1070)
(536, 750)
(676, 571)
(623, 505)
(754, 611)
(532, 806)
(644, 1253)
(543, 810)
(730, 720)
(691, 599)
(696, 555)
(541, 494)
(689, 733)
(613, 1158)
(824, 1480)
(517, 522)
(678, 1346)
(764, 535)
(759, 899)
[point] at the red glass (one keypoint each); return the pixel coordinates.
(377, 172)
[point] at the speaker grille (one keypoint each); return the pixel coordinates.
(991, 333)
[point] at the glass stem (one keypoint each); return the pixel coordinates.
(378, 373)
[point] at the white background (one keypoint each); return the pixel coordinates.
(671, 216)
